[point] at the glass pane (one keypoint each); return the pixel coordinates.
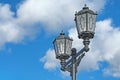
(61, 46)
(81, 22)
(91, 22)
(68, 46)
(56, 48)
(78, 24)
(94, 22)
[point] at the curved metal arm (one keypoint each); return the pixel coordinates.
(67, 65)
(79, 59)
(80, 52)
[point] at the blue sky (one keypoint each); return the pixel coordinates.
(28, 28)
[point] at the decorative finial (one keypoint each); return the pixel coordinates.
(85, 7)
(62, 33)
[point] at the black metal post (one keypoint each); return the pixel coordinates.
(73, 72)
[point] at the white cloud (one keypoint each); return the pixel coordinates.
(114, 68)
(54, 14)
(5, 13)
(104, 47)
(50, 60)
(11, 31)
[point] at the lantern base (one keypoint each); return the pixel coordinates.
(63, 56)
(86, 34)
(86, 43)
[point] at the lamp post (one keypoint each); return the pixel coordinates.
(85, 21)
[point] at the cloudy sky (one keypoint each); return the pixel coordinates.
(28, 28)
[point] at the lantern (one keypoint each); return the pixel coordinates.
(62, 45)
(85, 22)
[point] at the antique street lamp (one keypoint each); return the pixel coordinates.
(85, 21)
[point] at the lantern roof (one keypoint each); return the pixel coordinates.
(85, 10)
(62, 36)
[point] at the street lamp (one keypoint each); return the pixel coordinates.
(85, 21)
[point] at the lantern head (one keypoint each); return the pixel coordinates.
(62, 45)
(85, 21)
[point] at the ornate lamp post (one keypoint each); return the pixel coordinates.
(85, 21)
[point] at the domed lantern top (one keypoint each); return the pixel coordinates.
(85, 22)
(62, 45)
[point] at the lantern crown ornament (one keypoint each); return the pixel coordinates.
(86, 10)
(62, 45)
(85, 21)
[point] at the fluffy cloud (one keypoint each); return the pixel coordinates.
(111, 49)
(50, 15)
(50, 60)
(104, 47)
(54, 14)
(114, 68)
(9, 31)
